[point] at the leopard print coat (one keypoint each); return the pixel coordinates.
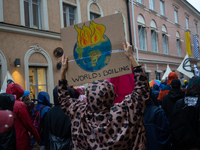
(101, 124)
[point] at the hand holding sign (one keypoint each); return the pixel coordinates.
(64, 66)
(129, 53)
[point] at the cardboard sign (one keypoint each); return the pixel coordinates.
(95, 50)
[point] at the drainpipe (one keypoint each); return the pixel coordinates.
(133, 18)
(129, 23)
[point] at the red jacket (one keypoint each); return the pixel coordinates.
(22, 123)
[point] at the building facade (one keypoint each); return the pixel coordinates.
(30, 31)
(160, 27)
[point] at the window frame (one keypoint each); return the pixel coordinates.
(36, 80)
(196, 28)
(94, 13)
(67, 13)
(157, 75)
(162, 11)
(178, 48)
(187, 23)
(140, 1)
(43, 14)
(165, 35)
(77, 11)
(144, 43)
(148, 76)
(156, 44)
(152, 5)
(176, 16)
(89, 10)
(31, 15)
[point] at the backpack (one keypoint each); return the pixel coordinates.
(36, 120)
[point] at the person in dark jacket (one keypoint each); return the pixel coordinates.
(185, 118)
(7, 139)
(58, 127)
(172, 97)
(43, 100)
(156, 92)
(157, 128)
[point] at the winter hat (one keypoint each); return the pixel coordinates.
(194, 86)
(26, 93)
(176, 84)
(171, 76)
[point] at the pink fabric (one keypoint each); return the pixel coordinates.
(124, 85)
(81, 90)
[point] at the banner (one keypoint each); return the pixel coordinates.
(94, 49)
(4, 86)
(188, 46)
(185, 67)
(168, 70)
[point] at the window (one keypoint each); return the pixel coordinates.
(176, 16)
(178, 42)
(94, 13)
(37, 81)
(157, 75)
(68, 15)
(162, 9)
(93, 16)
(151, 4)
(196, 29)
(148, 75)
(142, 37)
(32, 13)
(154, 41)
(187, 23)
(165, 43)
(139, 1)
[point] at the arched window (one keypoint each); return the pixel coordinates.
(154, 36)
(94, 10)
(70, 13)
(124, 21)
(141, 32)
(38, 76)
(178, 42)
(165, 39)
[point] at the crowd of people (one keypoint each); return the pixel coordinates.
(164, 117)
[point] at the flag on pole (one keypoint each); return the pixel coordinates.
(168, 70)
(187, 37)
(185, 67)
(196, 47)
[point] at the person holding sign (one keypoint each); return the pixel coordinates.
(101, 124)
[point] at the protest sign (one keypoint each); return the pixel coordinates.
(168, 70)
(185, 67)
(94, 50)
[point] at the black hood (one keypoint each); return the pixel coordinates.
(7, 101)
(176, 94)
(55, 94)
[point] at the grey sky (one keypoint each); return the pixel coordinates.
(195, 3)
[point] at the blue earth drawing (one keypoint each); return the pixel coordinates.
(93, 57)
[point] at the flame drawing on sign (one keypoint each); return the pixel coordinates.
(90, 35)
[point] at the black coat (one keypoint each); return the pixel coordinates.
(58, 126)
(7, 139)
(170, 99)
(185, 125)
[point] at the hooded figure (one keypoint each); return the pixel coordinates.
(58, 127)
(22, 122)
(185, 118)
(43, 101)
(172, 97)
(156, 90)
(7, 139)
(165, 90)
(101, 124)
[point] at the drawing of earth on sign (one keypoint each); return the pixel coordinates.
(93, 49)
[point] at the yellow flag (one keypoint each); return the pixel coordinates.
(187, 37)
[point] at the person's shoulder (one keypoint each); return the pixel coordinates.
(166, 87)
